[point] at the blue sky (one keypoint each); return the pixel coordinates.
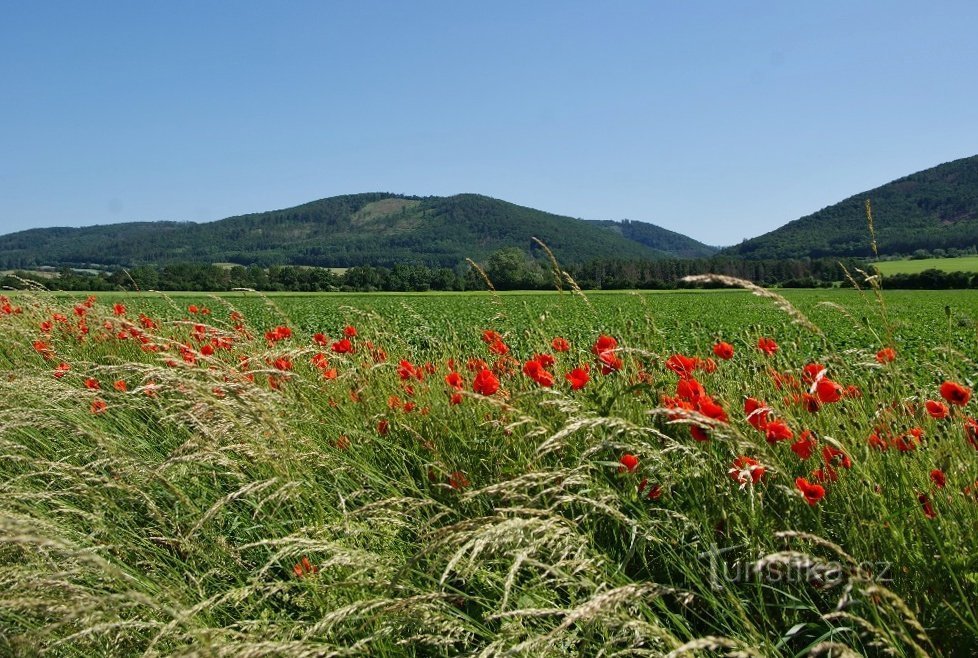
(721, 120)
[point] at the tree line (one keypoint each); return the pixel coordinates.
(507, 269)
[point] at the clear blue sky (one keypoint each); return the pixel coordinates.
(721, 120)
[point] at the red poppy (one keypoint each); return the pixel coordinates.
(835, 457)
(349, 331)
(92, 384)
(457, 480)
(828, 391)
(767, 345)
(304, 568)
(812, 492)
(628, 462)
(699, 433)
(682, 365)
(655, 491)
(812, 372)
(955, 393)
(723, 350)
(454, 380)
(560, 344)
(604, 344)
(805, 445)
(490, 336)
(383, 427)
(937, 409)
(119, 309)
(690, 390)
(886, 355)
(545, 360)
(746, 470)
(578, 378)
(320, 339)
(485, 382)
(98, 406)
(938, 478)
(971, 432)
(120, 385)
(609, 362)
(342, 346)
(777, 430)
(925, 506)
(536, 371)
(61, 370)
(758, 413)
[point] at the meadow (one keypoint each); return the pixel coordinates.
(527, 474)
(958, 264)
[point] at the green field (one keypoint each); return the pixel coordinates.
(316, 475)
(960, 264)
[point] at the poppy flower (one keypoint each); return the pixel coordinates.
(458, 481)
(777, 430)
(690, 390)
(886, 355)
(609, 362)
(628, 462)
(320, 339)
(98, 406)
(937, 409)
(767, 345)
(655, 491)
(604, 344)
(61, 370)
(304, 568)
(560, 344)
(490, 336)
(120, 385)
(578, 378)
(835, 457)
(828, 391)
(342, 346)
(746, 470)
(456, 398)
(349, 331)
(682, 365)
(383, 427)
(805, 445)
(545, 360)
(535, 371)
(92, 384)
(758, 413)
(454, 380)
(955, 393)
(971, 432)
(938, 478)
(812, 372)
(812, 492)
(485, 382)
(925, 506)
(498, 347)
(699, 433)
(119, 309)
(723, 350)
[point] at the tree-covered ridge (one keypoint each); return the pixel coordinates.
(375, 229)
(932, 209)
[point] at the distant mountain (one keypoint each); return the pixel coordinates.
(344, 231)
(936, 208)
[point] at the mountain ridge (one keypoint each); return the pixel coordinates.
(374, 228)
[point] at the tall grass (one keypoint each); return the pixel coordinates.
(228, 505)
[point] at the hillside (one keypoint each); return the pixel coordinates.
(935, 208)
(349, 230)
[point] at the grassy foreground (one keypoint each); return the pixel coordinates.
(701, 474)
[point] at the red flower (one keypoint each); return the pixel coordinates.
(458, 481)
(777, 430)
(925, 506)
(342, 346)
(767, 345)
(805, 445)
(682, 365)
(828, 391)
(609, 362)
(304, 568)
(938, 478)
(485, 382)
(578, 378)
(119, 309)
(971, 432)
(812, 492)
(835, 457)
(604, 344)
(629, 463)
(61, 370)
(490, 336)
(120, 385)
(955, 393)
(349, 331)
(758, 413)
(723, 350)
(886, 355)
(383, 427)
(560, 344)
(746, 470)
(456, 398)
(545, 360)
(937, 409)
(320, 339)
(454, 380)
(92, 384)
(535, 371)
(98, 406)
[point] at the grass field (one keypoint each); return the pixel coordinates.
(961, 264)
(654, 474)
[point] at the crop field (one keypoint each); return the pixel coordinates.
(959, 264)
(696, 473)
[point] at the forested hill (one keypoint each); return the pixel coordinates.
(935, 208)
(344, 231)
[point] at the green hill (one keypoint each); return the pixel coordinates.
(345, 231)
(935, 208)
